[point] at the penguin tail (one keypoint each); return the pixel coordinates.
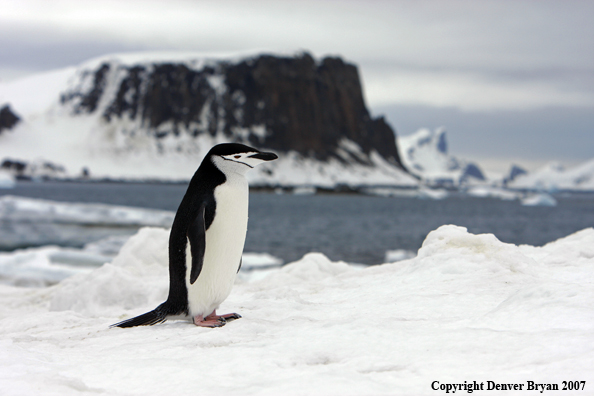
(153, 317)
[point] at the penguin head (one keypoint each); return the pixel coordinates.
(238, 158)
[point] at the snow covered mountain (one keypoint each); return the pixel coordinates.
(154, 116)
(425, 154)
(554, 177)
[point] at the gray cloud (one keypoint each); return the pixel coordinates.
(39, 49)
(559, 133)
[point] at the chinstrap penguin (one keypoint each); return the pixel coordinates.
(213, 218)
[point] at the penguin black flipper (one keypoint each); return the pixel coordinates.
(197, 238)
(157, 315)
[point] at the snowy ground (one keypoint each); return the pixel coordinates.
(467, 308)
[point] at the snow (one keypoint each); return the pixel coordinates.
(294, 170)
(48, 265)
(252, 261)
(425, 154)
(554, 176)
(33, 95)
(467, 307)
(194, 60)
(398, 255)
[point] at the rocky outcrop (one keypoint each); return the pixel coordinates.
(37, 169)
(8, 119)
(279, 103)
(514, 172)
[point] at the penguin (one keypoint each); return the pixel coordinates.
(207, 238)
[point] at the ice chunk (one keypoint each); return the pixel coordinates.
(541, 199)
(6, 180)
(36, 222)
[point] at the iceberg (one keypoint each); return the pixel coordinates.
(540, 199)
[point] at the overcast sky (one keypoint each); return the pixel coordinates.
(510, 80)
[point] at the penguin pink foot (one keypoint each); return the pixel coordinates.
(209, 321)
(214, 320)
(228, 317)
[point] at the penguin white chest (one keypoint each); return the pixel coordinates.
(225, 239)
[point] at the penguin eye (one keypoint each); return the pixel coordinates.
(238, 156)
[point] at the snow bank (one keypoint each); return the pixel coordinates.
(392, 256)
(137, 276)
(48, 265)
(468, 307)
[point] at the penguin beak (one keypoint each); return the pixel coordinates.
(264, 156)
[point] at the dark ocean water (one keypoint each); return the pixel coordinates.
(354, 228)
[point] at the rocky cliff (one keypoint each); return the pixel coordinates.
(7, 118)
(154, 116)
(281, 103)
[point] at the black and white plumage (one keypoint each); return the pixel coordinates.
(207, 238)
